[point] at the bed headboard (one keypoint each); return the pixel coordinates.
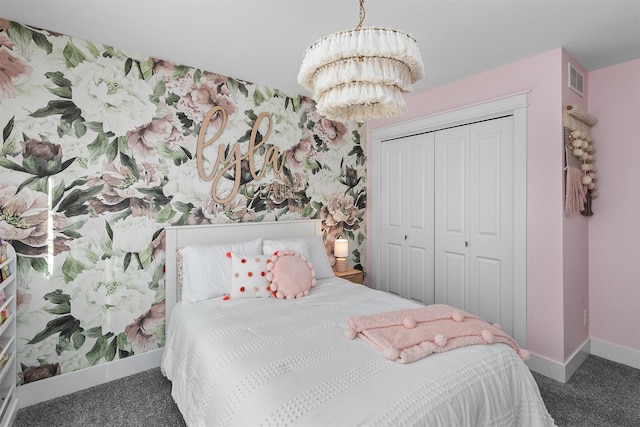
(178, 237)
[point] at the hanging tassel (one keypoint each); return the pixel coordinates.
(576, 192)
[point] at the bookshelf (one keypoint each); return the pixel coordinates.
(8, 370)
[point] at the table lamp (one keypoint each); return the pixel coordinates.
(341, 251)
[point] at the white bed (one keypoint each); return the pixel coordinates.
(268, 361)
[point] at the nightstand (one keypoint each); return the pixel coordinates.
(352, 275)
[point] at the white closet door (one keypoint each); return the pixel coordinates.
(474, 219)
(452, 216)
(407, 218)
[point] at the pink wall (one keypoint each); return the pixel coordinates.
(614, 230)
(575, 240)
(541, 75)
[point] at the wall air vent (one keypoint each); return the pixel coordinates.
(576, 80)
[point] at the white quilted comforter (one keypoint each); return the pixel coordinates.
(265, 361)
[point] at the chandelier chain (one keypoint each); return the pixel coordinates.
(362, 15)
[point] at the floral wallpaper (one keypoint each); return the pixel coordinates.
(98, 155)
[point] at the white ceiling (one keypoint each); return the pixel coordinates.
(262, 41)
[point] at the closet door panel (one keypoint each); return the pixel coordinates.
(419, 275)
(407, 217)
(392, 268)
(491, 222)
(451, 216)
(453, 273)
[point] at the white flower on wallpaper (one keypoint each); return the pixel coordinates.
(286, 132)
(132, 234)
(325, 185)
(105, 296)
(105, 95)
(98, 154)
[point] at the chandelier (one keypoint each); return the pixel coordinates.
(361, 74)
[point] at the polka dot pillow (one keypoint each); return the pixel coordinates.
(248, 276)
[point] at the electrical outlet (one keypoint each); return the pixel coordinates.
(586, 317)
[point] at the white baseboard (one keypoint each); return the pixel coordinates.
(50, 388)
(616, 353)
(560, 371)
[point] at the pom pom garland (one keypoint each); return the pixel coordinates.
(580, 146)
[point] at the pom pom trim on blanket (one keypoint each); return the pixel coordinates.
(409, 335)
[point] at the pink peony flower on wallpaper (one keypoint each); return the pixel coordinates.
(329, 131)
(151, 140)
(197, 99)
(23, 214)
(11, 67)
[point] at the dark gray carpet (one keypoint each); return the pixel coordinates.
(601, 393)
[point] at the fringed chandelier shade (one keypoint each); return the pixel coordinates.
(361, 74)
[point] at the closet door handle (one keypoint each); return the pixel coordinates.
(466, 244)
(405, 237)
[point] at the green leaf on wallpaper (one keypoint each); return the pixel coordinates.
(99, 147)
(145, 257)
(235, 85)
(146, 68)
(158, 91)
(94, 126)
(72, 55)
(109, 230)
(130, 164)
(53, 327)
(80, 129)
(40, 265)
(67, 109)
(92, 48)
(78, 340)
(62, 92)
(127, 66)
(196, 77)
(127, 261)
(20, 35)
(258, 97)
(251, 116)
(180, 71)
(123, 342)
(307, 211)
(98, 350)
(42, 42)
(8, 164)
(110, 352)
(165, 214)
(183, 220)
(93, 332)
(123, 146)
(58, 79)
(172, 98)
(57, 297)
(75, 202)
(59, 309)
(71, 268)
(8, 129)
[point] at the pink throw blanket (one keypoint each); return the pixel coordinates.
(409, 335)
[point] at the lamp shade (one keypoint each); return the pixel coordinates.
(341, 248)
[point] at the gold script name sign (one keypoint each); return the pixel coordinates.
(235, 157)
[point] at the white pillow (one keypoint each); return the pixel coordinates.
(249, 276)
(299, 245)
(319, 258)
(206, 269)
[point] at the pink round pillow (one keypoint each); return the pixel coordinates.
(290, 275)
